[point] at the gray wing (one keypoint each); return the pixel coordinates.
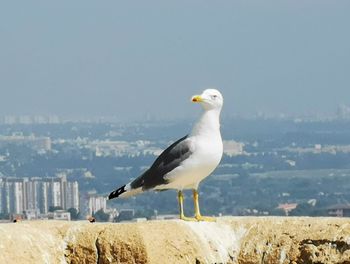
(170, 158)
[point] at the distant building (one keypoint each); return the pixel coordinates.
(35, 143)
(113, 213)
(27, 119)
(287, 207)
(165, 217)
(339, 210)
(139, 219)
(72, 195)
(318, 148)
(53, 120)
(18, 195)
(10, 120)
(97, 203)
(13, 195)
(126, 215)
(233, 148)
(343, 112)
(31, 214)
(59, 215)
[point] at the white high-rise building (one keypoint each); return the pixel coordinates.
(45, 198)
(21, 194)
(32, 190)
(18, 196)
(72, 195)
(13, 195)
(56, 194)
(97, 203)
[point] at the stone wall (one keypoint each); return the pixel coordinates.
(229, 240)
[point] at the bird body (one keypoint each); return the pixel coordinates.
(206, 148)
(185, 163)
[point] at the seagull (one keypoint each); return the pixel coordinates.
(185, 163)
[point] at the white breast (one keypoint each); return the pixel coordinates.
(206, 155)
(206, 148)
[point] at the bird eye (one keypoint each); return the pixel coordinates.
(214, 96)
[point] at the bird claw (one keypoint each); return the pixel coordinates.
(198, 218)
(189, 219)
(205, 218)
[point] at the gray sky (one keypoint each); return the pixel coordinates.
(129, 58)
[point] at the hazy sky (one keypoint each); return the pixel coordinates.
(130, 58)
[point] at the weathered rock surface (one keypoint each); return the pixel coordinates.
(229, 240)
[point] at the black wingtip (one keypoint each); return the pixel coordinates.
(116, 193)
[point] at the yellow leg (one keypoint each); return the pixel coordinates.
(181, 208)
(197, 213)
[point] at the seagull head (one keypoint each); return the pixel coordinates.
(209, 99)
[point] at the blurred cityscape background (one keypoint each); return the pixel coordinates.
(52, 168)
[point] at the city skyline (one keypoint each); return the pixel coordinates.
(147, 59)
(18, 195)
(342, 111)
(310, 155)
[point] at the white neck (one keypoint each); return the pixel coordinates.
(208, 123)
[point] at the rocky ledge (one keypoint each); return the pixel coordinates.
(229, 240)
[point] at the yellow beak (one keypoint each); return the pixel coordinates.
(197, 99)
